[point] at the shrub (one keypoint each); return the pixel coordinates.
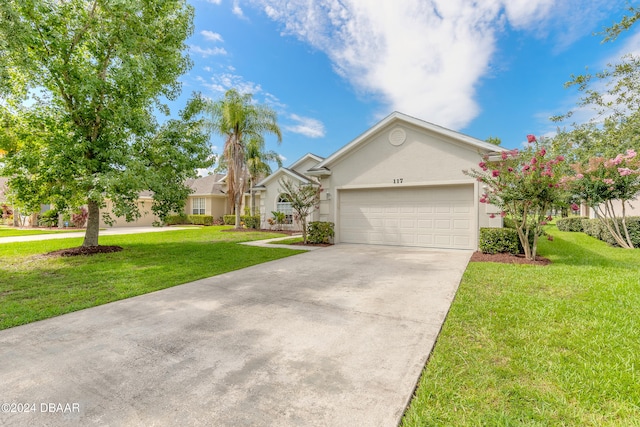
(49, 218)
(499, 240)
(320, 232)
(229, 219)
(176, 219)
(250, 221)
(79, 218)
(572, 223)
(595, 228)
(200, 219)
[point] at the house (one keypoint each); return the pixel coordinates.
(398, 183)
(208, 197)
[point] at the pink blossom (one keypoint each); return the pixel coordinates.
(514, 152)
(550, 238)
(483, 165)
(543, 152)
(492, 216)
(560, 158)
(608, 181)
(574, 207)
(495, 173)
(534, 161)
(630, 154)
(503, 155)
(503, 214)
(579, 176)
(624, 171)
(543, 222)
(525, 167)
(531, 138)
(510, 169)
(615, 161)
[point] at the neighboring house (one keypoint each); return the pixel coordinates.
(399, 183)
(208, 197)
(3, 189)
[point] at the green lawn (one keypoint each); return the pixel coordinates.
(6, 231)
(33, 287)
(539, 346)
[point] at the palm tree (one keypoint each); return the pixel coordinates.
(258, 164)
(239, 120)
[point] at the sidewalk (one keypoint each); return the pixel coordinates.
(107, 232)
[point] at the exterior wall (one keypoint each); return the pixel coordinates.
(146, 220)
(216, 206)
(423, 159)
(304, 166)
(631, 209)
(268, 200)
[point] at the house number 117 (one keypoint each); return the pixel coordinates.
(398, 180)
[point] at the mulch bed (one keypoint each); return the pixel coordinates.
(82, 250)
(508, 259)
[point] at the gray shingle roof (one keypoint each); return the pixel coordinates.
(209, 184)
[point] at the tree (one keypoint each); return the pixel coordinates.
(524, 185)
(303, 198)
(600, 181)
(494, 140)
(99, 68)
(238, 120)
(258, 165)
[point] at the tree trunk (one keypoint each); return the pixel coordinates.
(93, 225)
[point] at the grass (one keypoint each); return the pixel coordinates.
(539, 346)
(33, 287)
(6, 231)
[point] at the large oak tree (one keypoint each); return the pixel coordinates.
(97, 69)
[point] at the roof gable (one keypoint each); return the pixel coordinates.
(307, 157)
(397, 117)
(282, 172)
(210, 184)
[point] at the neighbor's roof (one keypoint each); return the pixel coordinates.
(400, 117)
(207, 185)
(284, 171)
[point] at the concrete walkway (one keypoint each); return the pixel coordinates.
(107, 232)
(332, 337)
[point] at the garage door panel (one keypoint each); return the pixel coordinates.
(426, 216)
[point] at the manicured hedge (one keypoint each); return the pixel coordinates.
(200, 219)
(595, 228)
(499, 240)
(320, 232)
(248, 220)
(176, 219)
(572, 223)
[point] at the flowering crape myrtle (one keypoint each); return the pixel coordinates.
(524, 185)
(602, 183)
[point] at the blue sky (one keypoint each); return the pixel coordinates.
(333, 68)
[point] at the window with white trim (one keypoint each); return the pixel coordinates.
(284, 206)
(197, 206)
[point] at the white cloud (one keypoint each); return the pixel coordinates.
(223, 82)
(306, 126)
(237, 10)
(214, 1)
(211, 36)
(422, 58)
(207, 51)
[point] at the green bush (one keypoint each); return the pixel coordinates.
(250, 221)
(176, 219)
(320, 232)
(572, 223)
(229, 219)
(49, 218)
(200, 219)
(499, 240)
(595, 228)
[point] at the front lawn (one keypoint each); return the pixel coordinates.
(557, 345)
(6, 231)
(33, 287)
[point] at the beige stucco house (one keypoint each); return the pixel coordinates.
(398, 183)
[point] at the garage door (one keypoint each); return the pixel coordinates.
(438, 217)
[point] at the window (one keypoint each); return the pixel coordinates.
(197, 206)
(284, 206)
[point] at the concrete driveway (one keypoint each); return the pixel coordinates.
(333, 337)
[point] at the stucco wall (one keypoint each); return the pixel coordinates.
(144, 206)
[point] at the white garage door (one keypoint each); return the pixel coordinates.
(438, 217)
